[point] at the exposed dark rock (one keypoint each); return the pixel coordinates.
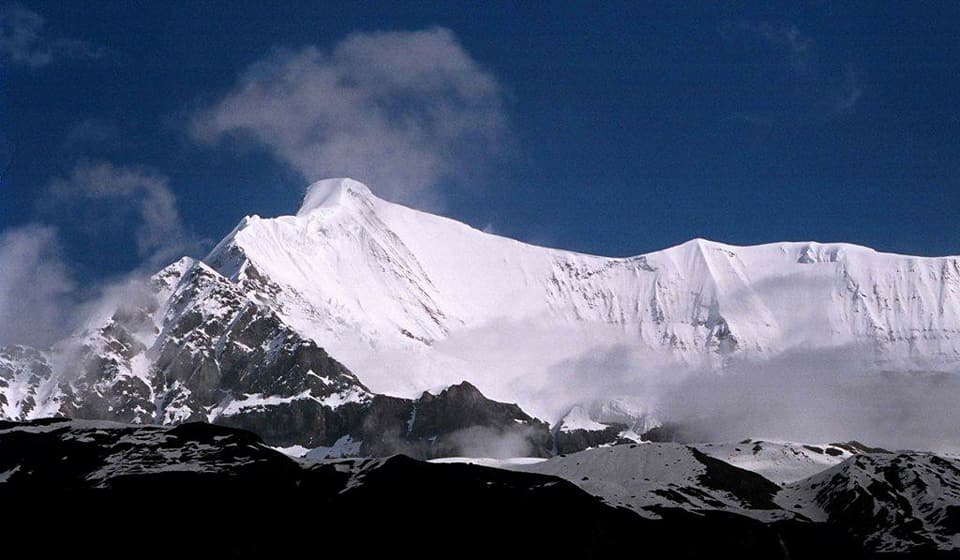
(458, 421)
(218, 355)
(205, 491)
(903, 502)
(752, 489)
(857, 447)
(667, 433)
(221, 345)
(571, 441)
(461, 421)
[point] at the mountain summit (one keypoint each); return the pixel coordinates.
(331, 192)
(411, 300)
(354, 298)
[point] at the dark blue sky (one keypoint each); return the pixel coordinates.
(629, 127)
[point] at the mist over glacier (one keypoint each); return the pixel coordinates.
(823, 396)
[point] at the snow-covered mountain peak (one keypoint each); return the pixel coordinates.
(332, 192)
(410, 300)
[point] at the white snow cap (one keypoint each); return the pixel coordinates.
(331, 192)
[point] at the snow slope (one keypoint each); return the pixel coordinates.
(648, 477)
(905, 502)
(897, 502)
(780, 461)
(410, 300)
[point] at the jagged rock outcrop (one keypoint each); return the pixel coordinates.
(457, 421)
(24, 374)
(187, 346)
(573, 440)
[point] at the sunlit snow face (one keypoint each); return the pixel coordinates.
(778, 340)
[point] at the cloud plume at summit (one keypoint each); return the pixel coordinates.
(403, 112)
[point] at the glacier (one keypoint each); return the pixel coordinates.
(411, 300)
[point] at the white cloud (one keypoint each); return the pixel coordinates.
(786, 38)
(160, 233)
(35, 286)
(39, 300)
(849, 91)
(400, 111)
(22, 40)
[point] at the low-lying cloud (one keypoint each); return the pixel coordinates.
(810, 395)
(40, 299)
(483, 441)
(36, 288)
(403, 112)
(816, 394)
(819, 397)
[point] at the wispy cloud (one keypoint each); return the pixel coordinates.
(816, 87)
(23, 41)
(91, 132)
(36, 288)
(787, 38)
(40, 302)
(849, 91)
(400, 111)
(787, 35)
(160, 233)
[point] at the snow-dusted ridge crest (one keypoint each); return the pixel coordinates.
(410, 300)
(344, 191)
(186, 346)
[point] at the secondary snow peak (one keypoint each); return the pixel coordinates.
(331, 192)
